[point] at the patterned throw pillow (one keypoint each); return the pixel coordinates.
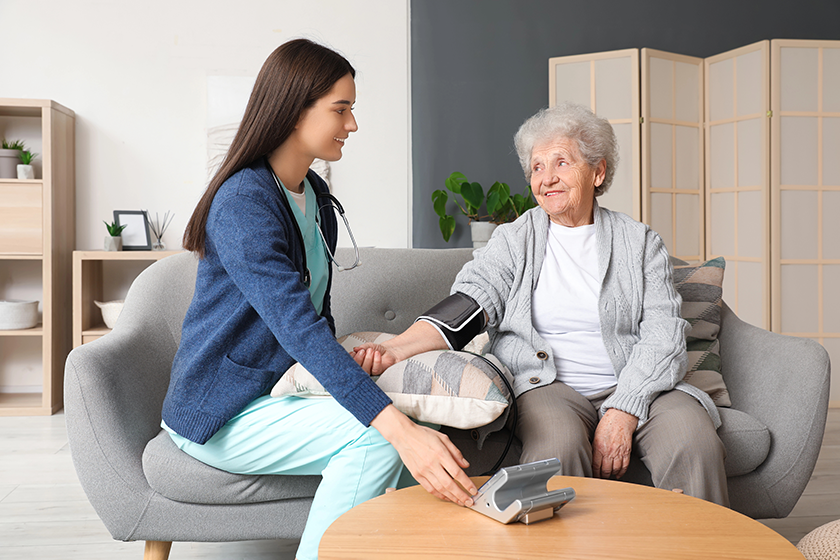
(456, 389)
(701, 288)
(299, 382)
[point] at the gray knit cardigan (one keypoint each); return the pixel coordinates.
(639, 308)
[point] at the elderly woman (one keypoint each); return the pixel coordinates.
(580, 305)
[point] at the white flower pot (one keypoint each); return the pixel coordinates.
(8, 163)
(481, 232)
(25, 171)
(113, 243)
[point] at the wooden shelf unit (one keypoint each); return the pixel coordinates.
(37, 232)
(89, 274)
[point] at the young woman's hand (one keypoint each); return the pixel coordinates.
(430, 456)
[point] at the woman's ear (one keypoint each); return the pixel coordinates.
(302, 116)
(600, 172)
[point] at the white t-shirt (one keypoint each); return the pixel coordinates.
(300, 199)
(564, 309)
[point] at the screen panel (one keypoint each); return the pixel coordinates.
(737, 101)
(831, 80)
(750, 216)
(806, 193)
(830, 224)
(672, 151)
(607, 83)
(689, 220)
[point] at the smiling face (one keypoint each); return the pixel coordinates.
(563, 182)
(324, 127)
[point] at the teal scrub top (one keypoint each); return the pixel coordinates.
(316, 252)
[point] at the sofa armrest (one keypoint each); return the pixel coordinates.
(114, 390)
(783, 382)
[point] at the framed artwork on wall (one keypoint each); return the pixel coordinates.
(135, 237)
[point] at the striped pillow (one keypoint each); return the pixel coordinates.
(445, 387)
(701, 288)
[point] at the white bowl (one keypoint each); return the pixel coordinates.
(15, 314)
(110, 311)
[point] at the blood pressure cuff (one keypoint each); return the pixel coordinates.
(458, 318)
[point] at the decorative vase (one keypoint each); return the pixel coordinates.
(8, 163)
(158, 245)
(25, 171)
(113, 243)
(481, 232)
(110, 311)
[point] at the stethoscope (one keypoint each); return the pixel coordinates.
(333, 202)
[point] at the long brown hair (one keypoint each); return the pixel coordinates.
(291, 80)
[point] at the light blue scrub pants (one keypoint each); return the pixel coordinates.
(304, 436)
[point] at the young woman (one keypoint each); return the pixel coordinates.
(262, 303)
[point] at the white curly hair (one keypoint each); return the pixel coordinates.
(594, 136)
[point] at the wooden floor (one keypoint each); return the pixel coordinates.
(44, 513)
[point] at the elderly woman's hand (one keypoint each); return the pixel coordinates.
(612, 444)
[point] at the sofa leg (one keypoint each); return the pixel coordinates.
(157, 550)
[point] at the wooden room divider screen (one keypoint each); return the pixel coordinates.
(607, 83)
(736, 155)
(805, 202)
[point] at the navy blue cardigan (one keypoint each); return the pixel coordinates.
(251, 317)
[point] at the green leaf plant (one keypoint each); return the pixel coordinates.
(13, 145)
(113, 229)
(26, 157)
(499, 206)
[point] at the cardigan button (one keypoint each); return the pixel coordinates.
(534, 380)
(542, 355)
(474, 434)
(390, 315)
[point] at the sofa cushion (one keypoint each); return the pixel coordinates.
(177, 476)
(747, 441)
(701, 288)
(442, 387)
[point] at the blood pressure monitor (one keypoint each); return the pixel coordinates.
(519, 493)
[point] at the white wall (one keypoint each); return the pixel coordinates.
(136, 74)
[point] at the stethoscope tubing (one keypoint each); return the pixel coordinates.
(333, 202)
(337, 205)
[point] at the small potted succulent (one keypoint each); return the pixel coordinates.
(113, 241)
(9, 158)
(24, 168)
(499, 206)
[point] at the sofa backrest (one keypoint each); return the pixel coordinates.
(392, 287)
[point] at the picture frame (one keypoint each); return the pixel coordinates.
(135, 237)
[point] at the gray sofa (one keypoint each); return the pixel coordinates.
(143, 488)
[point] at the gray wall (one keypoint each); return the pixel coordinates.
(480, 68)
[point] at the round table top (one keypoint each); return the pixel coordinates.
(606, 520)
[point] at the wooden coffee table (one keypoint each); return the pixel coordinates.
(607, 520)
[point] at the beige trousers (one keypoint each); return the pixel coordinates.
(678, 444)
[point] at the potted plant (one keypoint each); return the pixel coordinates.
(113, 241)
(499, 206)
(9, 157)
(24, 168)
